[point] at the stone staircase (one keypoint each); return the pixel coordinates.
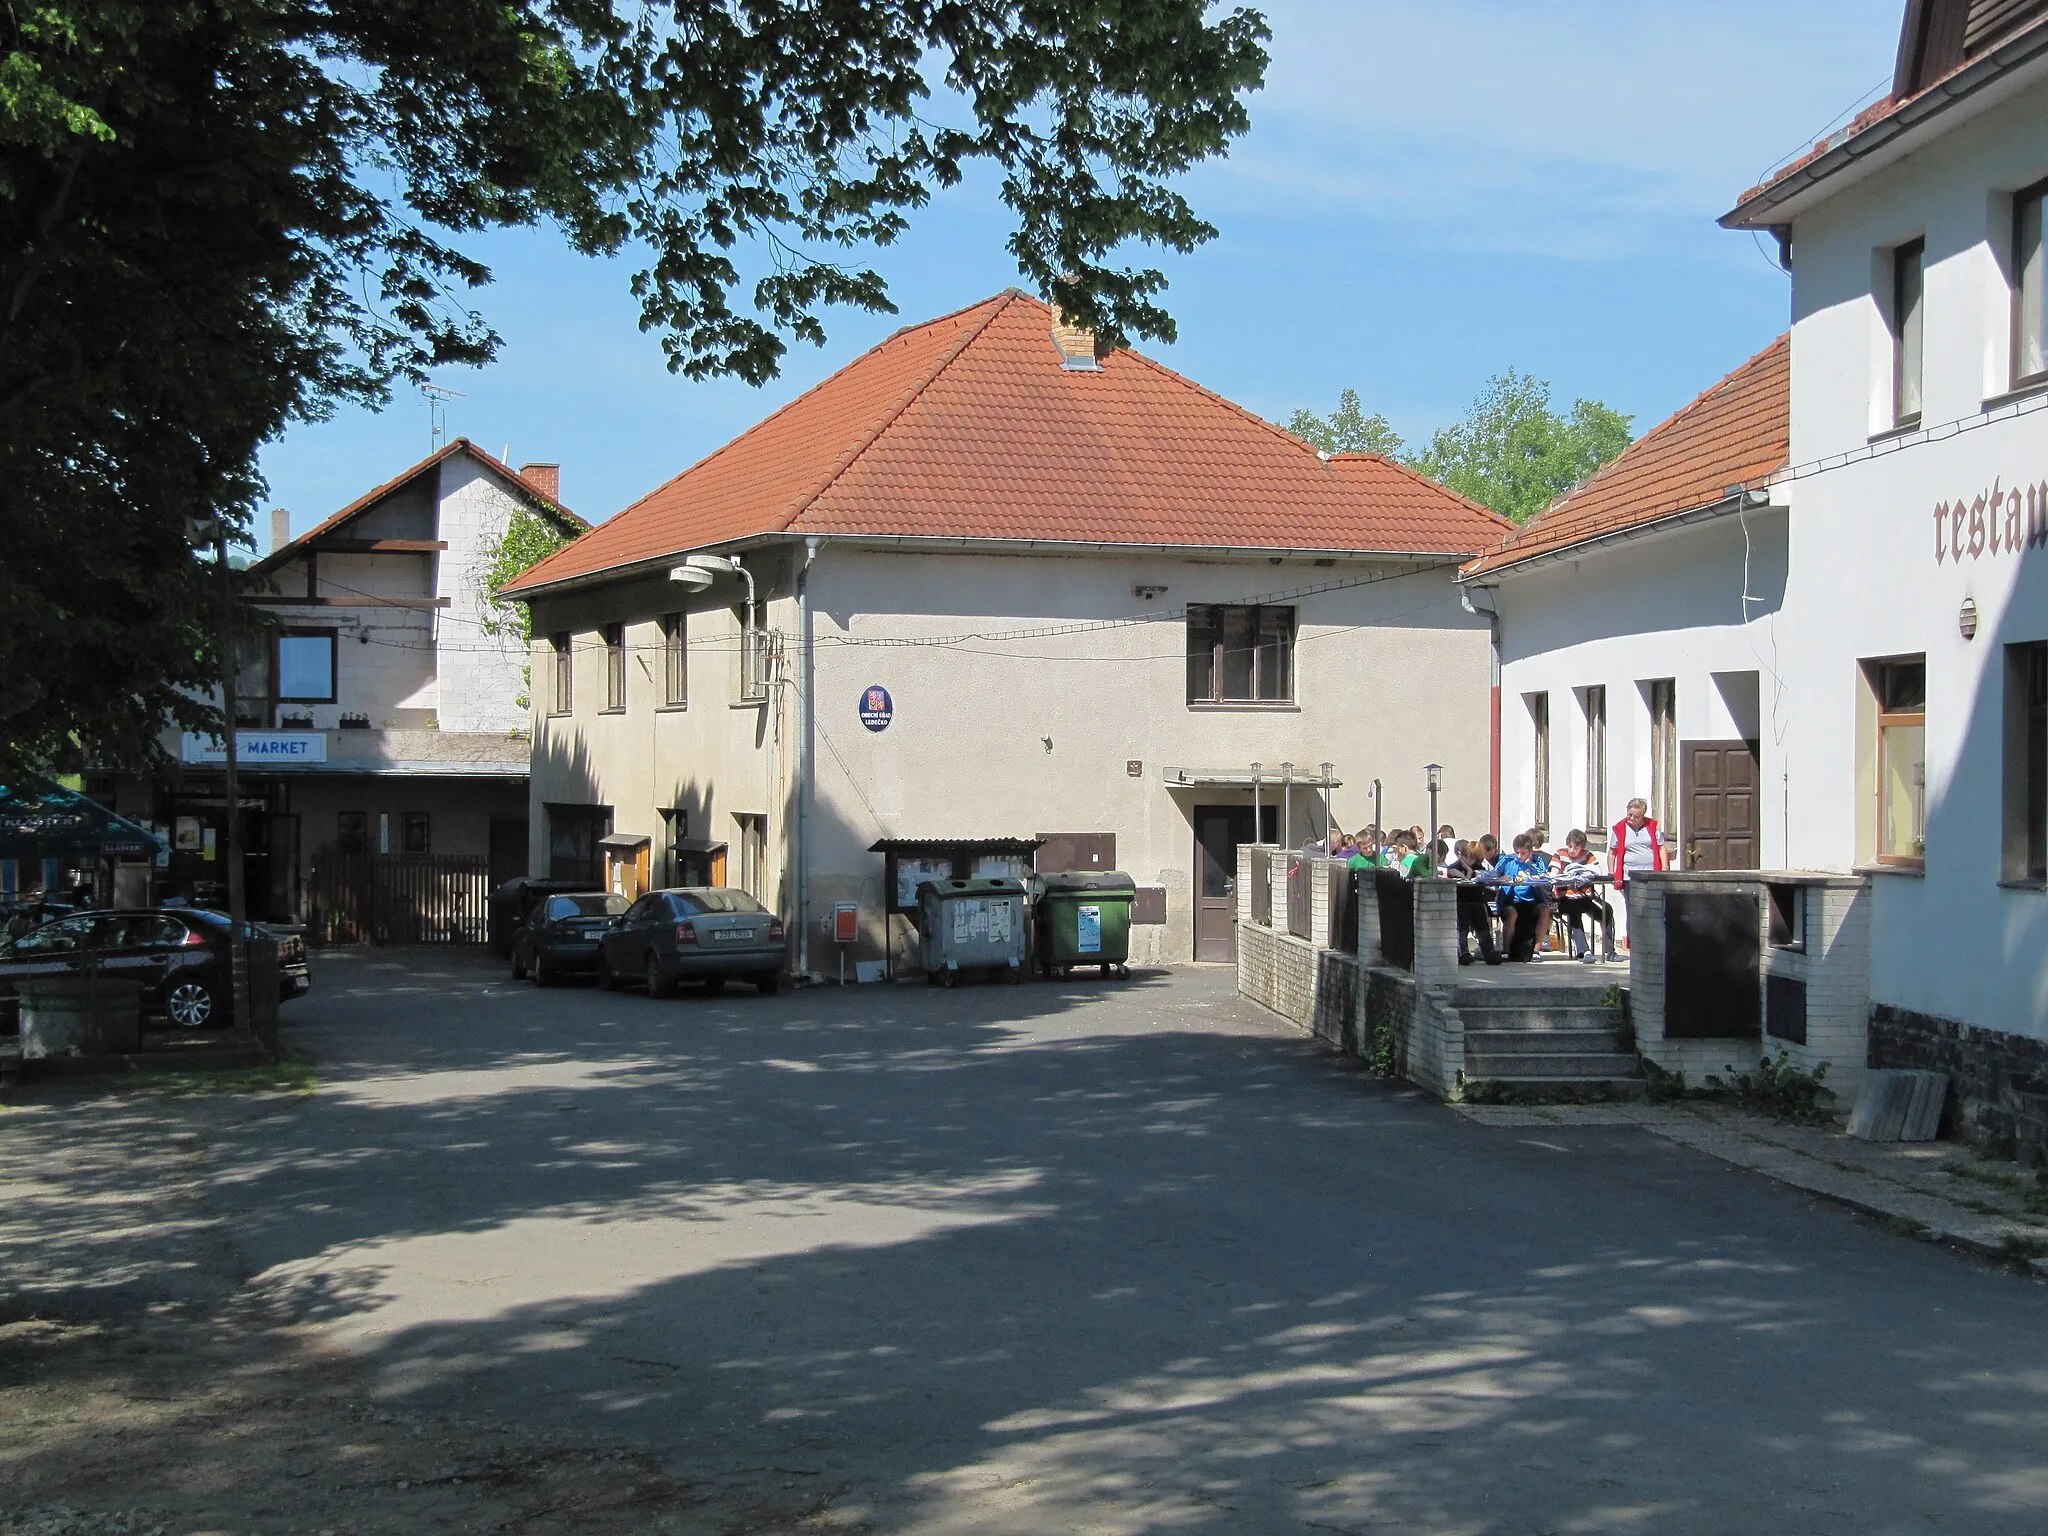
(1544, 1042)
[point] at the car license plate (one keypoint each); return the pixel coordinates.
(733, 935)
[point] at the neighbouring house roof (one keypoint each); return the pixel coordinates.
(1737, 433)
(979, 426)
(514, 481)
(1949, 52)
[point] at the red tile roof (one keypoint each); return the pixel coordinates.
(968, 427)
(1737, 433)
(569, 521)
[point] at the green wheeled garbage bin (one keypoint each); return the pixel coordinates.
(972, 925)
(1084, 918)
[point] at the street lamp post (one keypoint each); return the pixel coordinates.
(238, 896)
(1379, 815)
(1255, 802)
(1327, 769)
(1436, 782)
(1287, 805)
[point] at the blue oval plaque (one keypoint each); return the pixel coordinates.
(876, 707)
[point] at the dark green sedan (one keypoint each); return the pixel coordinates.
(699, 933)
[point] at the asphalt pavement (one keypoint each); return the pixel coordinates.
(1105, 1257)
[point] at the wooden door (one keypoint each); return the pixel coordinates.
(1717, 783)
(1219, 829)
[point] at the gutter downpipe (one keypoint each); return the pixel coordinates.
(806, 759)
(1492, 616)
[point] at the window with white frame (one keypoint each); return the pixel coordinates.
(1898, 774)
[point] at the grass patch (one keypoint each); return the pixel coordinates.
(292, 1072)
(2030, 1193)
(1901, 1226)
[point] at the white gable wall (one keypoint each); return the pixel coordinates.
(480, 675)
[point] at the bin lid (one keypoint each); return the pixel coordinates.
(993, 885)
(1113, 881)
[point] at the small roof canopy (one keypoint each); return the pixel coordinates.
(624, 842)
(41, 819)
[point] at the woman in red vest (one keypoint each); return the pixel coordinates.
(1635, 845)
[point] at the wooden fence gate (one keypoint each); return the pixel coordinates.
(398, 898)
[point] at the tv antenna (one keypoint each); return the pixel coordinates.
(438, 397)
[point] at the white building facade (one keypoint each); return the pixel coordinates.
(1870, 611)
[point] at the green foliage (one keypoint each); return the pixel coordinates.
(1665, 1087)
(1347, 429)
(1513, 453)
(221, 216)
(528, 538)
(1778, 1088)
(1386, 1052)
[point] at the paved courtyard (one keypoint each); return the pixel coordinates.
(1077, 1257)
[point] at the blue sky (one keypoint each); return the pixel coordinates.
(1432, 191)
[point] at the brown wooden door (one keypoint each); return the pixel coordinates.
(1219, 829)
(1717, 785)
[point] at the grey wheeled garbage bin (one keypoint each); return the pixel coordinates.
(971, 925)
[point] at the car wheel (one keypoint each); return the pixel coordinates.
(714, 983)
(191, 1004)
(769, 984)
(543, 973)
(605, 979)
(518, 967)
(656, 987)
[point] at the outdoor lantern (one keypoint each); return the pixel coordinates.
(1436, 776)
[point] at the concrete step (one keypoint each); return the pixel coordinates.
(1481, 996)
(1493, 1042)
(1517, 1065)
(1537, 1020)
(1553, 1090)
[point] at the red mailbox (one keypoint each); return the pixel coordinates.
(845, 922)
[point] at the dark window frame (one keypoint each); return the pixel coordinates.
(564, 701)
(614, 637)
(352, 831)
(1267, 632)
(675, 660)
(1909, 330)
(2024, 855)
(408, 823)
(2035, 198)
(333, 639)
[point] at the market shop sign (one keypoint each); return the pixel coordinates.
(1998, 522)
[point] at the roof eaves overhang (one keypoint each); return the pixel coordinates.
(919, 543)
(1897, 133)
(1758, 501)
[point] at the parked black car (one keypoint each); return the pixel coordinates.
(701, 933)
(513, 902)
(560, 935)
(27, 916)
(180, 955)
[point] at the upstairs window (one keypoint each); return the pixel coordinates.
(565, 675)
(305, 666)
(1593, 699)
(615, 666)
(675, 658)
(1240, 654)
(1909, 264)
(1539, 725)
(2029, 311)
(1661, 694)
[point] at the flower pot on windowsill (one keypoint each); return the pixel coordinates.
(296, 723)
(355, 722)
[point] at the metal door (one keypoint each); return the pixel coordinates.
(1718, 789)
(1713, 985)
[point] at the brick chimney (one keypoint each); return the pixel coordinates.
(545, 478)
(280, 529)
(1077, 348)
